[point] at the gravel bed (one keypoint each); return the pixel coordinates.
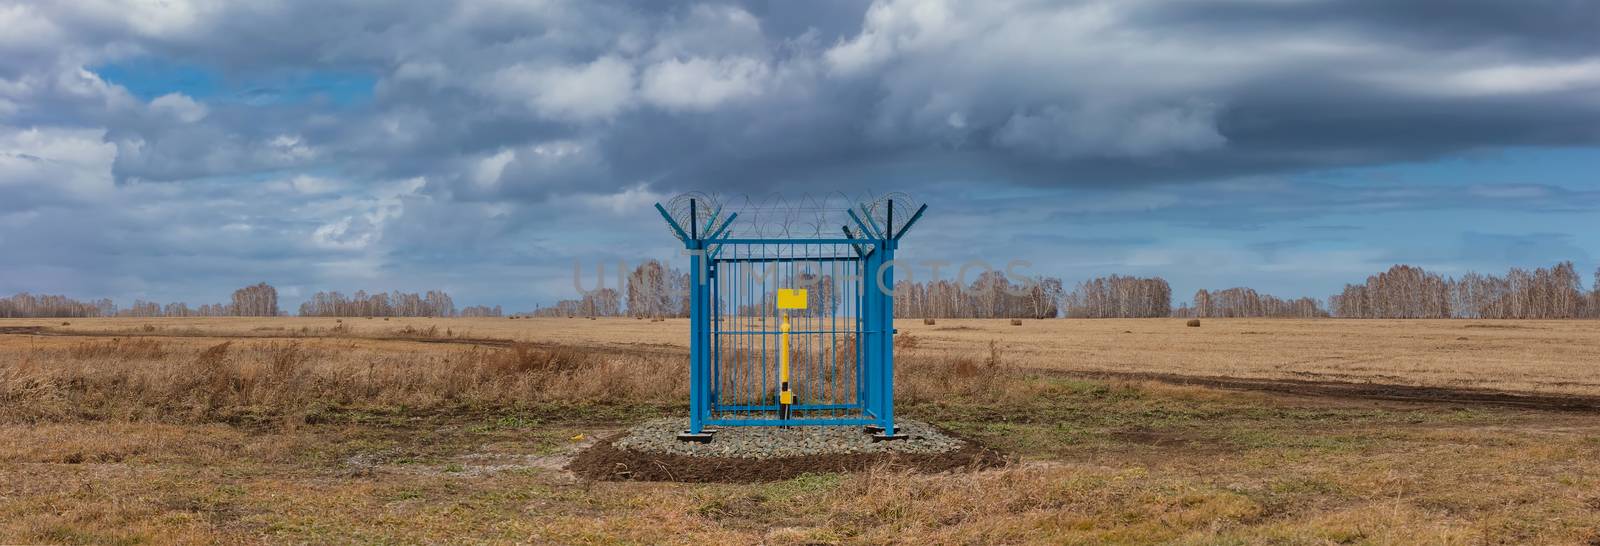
(661, 436)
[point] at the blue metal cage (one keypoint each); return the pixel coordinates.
(841, 363)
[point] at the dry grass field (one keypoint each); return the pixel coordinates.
(1124, 431)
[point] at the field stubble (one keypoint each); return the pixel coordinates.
(417, 430)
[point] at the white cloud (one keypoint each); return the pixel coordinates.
(431, 72)
(594, 91)
(180, 107)
(892, 28)
(709, 30)
(626, 202)
(703, 84)
(363, 220)
(313, 185)
(82, 84)
(536, 170)
(1495, 79)
(347, 233)
(1111, 132)
(151, 18)
(25, 28)
(487, 172)
(50, 161)
(290, 149)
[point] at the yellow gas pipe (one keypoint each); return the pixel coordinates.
(785, 397)
(787, 299)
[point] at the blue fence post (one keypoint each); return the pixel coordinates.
(886, 325)
(697, 379)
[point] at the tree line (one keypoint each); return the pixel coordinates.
(1244, 302)
(655, 290)
(482, 311)
(600, 302)
(258, 300)
(434, 303)
(992, 295)
(1118, 296)
(1410, 292)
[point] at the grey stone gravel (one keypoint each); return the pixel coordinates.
(661, 436)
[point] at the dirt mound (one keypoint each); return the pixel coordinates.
(605, 461)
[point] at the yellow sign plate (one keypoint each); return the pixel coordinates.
(791, 299)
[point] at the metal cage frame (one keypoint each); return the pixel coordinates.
(846, 334)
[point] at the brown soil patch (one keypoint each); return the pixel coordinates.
(606, 462)
(1152, 438)
(1369, 391)
(1504, 326)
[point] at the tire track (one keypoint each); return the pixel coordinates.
(1417, 394)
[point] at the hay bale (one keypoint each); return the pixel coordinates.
(1016, 322)
(929, 321)
(1194, 323)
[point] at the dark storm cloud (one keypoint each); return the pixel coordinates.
(741, 96)
(337, 139)
(1256, 204)
(1559, 27)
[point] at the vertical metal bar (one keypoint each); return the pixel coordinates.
(869, 365)
(888, 228)
(811, 326)
(765, 266)
(812, 308)
(860, 341)
(744, 344)
(887, 387)
(697, 392)
(887, 320)
(713, 375)
(749, 344)
(800, 270)
(833, 331)
(728, 373)
(794, 266)
(715, 294)
(739, 342)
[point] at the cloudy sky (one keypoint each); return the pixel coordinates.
(177, 149)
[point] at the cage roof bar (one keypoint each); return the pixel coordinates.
(671, 222)
(907, 226)
(712, 221)
(725, 225)
(874, 223)
(847, 233)
(720, 246)
(787, 241)
(864, 229)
